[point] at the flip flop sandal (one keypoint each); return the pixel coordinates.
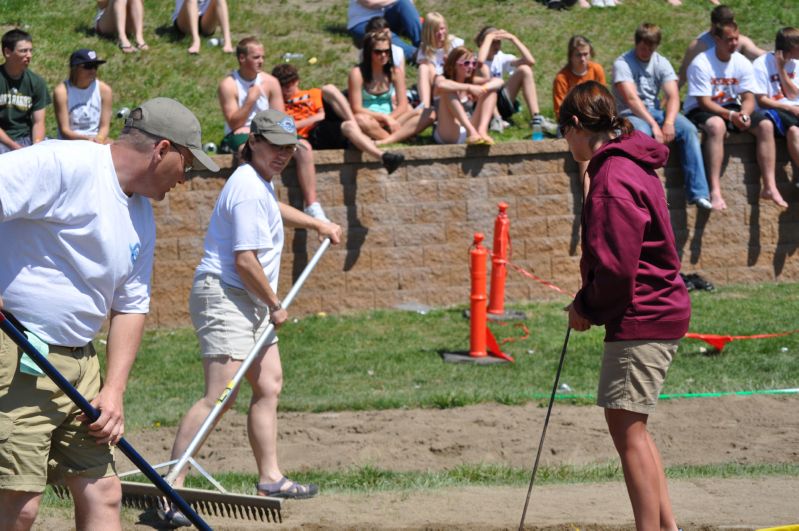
(143, 47)
(295, 491)
(127, 48)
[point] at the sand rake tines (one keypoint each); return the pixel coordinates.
(209, 503)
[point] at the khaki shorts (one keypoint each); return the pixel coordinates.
(40, 440)
(633, 373)
(227, 320)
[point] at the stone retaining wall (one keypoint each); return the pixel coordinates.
(408, 234)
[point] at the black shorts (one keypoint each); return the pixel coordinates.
(782, 120)
(505, 105)
(199, 27)
(699, 116)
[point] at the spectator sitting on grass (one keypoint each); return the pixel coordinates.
(493, 62)
(324, 118)
(83, 102)
(117, 18)
(381, 24)
(401, 15)
(376, 90)
(720, 15)
(247, 91)
(466, 101)
(195, 18)
(437, 43)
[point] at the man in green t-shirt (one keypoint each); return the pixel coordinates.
(23, 95)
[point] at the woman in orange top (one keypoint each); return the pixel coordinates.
(579, 69)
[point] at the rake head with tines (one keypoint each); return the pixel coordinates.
(210, 503)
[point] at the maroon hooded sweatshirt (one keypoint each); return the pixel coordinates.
(630, 268)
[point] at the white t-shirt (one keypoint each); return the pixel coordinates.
(500, 64)
(75, 246)
(202, 7)
(723, 82)
(440, 54)
(84, 107)
(767, 77)
(246, 217)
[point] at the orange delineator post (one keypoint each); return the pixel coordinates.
(499, 260)
(478, 259)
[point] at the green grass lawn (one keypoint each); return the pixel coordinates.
(390, 358)
(317, 28)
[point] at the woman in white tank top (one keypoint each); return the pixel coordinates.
(83, 102)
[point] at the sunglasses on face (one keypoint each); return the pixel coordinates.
(381, 51)
(468, 64)
(90, 66)
(288, 149)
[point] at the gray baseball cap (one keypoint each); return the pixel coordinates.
(169, 119)
(277, 127)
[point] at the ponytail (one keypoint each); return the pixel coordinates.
(595, 109)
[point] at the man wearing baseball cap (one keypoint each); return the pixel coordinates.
(78, 235)
(234, 296)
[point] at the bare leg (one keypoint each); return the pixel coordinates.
(451, 117)
(641, 473)
(18, 509)
(413, 125)
(524, 78)
(370, 126)
(483, 113)
(715, 130)
(188, 24)
(266, 378)
(97, 502)
(766, 149)
(667, 520)
(333, 96)
(360, 141)
(136, 13)
(218, 372)
(306, 172)
(427, 74)
(120, 8)
(217, 15)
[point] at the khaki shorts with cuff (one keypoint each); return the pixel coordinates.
(40, 440)
(633, 373)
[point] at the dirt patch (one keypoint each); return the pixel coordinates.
(748, 430)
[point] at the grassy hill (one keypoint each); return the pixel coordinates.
(317, 28)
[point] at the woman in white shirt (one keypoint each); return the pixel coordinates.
(83, 102)
(201, 17)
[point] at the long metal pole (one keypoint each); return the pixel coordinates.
(92, 413)
(266, 337)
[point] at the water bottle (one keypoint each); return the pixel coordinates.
(123, 113)
(213, 41)
(538, 132)
(290, 55)
(209, 147)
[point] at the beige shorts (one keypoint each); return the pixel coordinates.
(40, 440)
(633, 373)
(227, 320)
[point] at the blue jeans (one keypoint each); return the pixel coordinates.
(403, 18)
(687, 142)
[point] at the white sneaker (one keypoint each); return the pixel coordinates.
(598, 3)
(703, 203)
(315, 211)
(496, 124)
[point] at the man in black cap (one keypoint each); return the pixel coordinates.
(78, 234)
(82, 102)
(23, 94)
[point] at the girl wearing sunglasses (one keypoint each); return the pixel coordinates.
(466, 101)
(82, 102)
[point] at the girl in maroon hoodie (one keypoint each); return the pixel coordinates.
(630, 284)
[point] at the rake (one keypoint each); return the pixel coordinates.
(220, 502)
(163, 488)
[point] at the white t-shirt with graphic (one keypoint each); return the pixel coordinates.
(246, 217)
(724, 82)
(501, 64)
(75, 246)
(767, 77)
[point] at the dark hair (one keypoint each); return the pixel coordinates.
(721, 14)
(482, 35)
(595, 109)
(718, 29)
(12, 37)
(243, 46)
(578, 41)
(369, 41)
(787, 39)
(375, 24)
(452, 59)
(648, 33)
(286, 73)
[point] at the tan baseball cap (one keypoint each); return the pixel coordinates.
(276, 127)
(169, 119)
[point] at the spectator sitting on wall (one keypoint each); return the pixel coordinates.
(195, 18)
(493, 62)
(82, 102)
(247, 91)
(703, 41)
(324, 118)
(638, 77)
(401, 15)
(23, 94)
(777, 97)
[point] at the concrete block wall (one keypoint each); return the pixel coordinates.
(407, 235)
